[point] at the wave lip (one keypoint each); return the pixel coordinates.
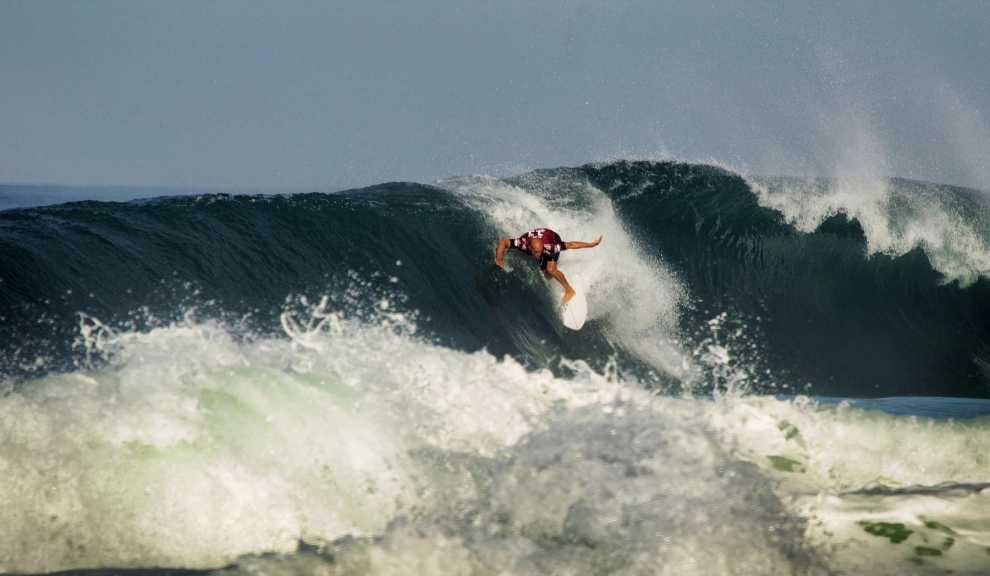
(951, 225)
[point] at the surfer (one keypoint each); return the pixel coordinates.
(545, 245)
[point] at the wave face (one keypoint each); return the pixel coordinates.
(347, 384)
(825, 306)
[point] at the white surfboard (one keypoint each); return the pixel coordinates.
(575, 312)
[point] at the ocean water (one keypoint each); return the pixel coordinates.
(778, 376)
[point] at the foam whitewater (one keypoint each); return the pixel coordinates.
(407, 410)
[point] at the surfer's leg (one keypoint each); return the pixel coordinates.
(553, 271)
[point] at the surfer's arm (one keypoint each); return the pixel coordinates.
(502, 245)
(576, 245)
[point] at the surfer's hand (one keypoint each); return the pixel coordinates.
(597, 242)
(501, 263)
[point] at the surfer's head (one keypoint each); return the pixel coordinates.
(535, 247)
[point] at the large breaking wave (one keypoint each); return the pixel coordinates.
(838, 292)
(347, 381)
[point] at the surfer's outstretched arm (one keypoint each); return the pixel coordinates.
(502, 245)
(576, 245)
(553, 271)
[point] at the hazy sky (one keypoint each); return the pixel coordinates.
(332, 95)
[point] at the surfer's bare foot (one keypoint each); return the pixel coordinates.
(567, 297)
